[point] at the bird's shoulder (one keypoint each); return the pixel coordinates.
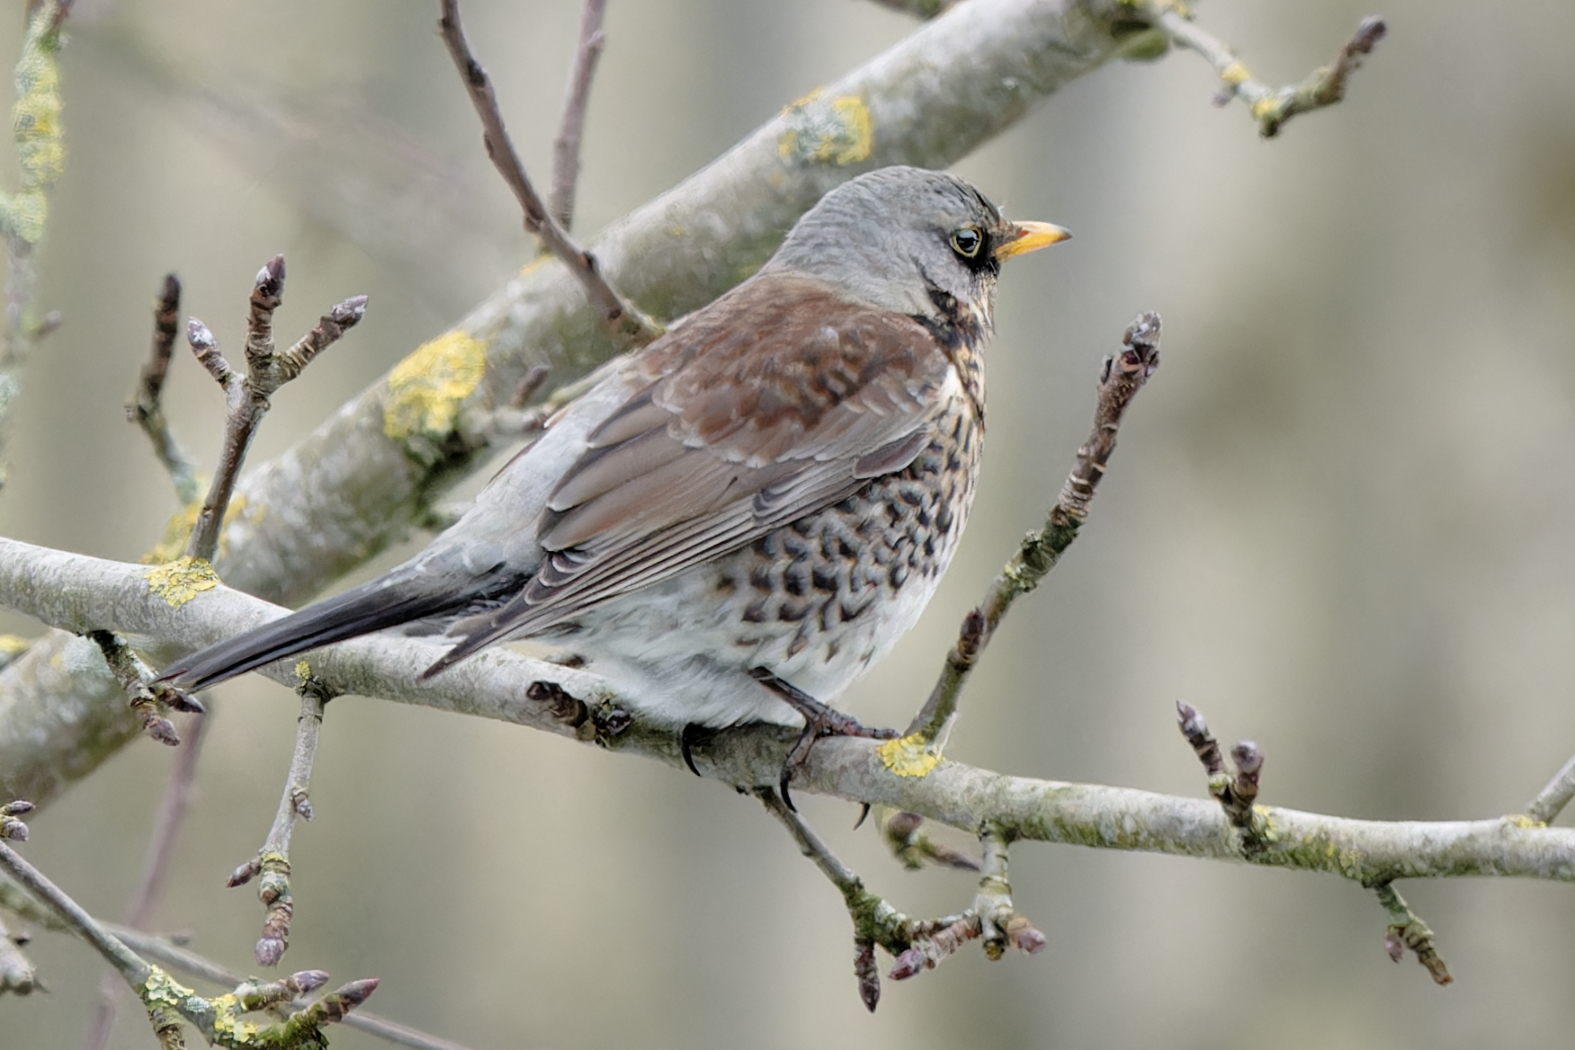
(783, 367)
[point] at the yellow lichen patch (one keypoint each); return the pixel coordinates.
(1522, 820)
(535, 264)
(229, 1022)
(910, 756)
(160, 989)
(1235, 73)
(12, 646)
(425, 389)
(179, 581)
(1265, 107)
(827, 131)
(303, 671)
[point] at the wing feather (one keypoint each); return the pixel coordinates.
(777, 401)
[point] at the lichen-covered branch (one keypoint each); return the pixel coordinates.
(71, 591)
(41, 153)
(1271, 107)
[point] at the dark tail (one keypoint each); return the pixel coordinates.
(389, 601)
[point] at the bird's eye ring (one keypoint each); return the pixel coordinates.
(967, 242)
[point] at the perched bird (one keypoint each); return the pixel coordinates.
(745, 515)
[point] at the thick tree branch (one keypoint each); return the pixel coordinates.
(72, 591)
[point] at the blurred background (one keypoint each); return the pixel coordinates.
(1339, 523)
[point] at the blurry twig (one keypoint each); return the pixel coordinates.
(147, 409)
(571, 128)
(1271, 107)
(623, 319)
(161, 851)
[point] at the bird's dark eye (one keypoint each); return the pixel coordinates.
(967, 242)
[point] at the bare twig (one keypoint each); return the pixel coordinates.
(273, 860)
(161, 852)
(623, 319)
(148, 697)
(146, 408)
(571, 128)
(246, 397)
(1552, 799)
(1121, 377)
(40, 147)
(874, 921)
(1407, 930)
(1271, 107)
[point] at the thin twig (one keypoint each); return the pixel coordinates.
(183, 960)
(155, 870)
(1122, 376)
(571, 128)
(147, 409)
(1237, 793)
(1552, 799)
(623, 319)
(126, 962)
(273, 860)
(246, 397)
(1407, 930)
(1271, 107)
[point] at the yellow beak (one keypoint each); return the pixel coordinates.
(1030, 237)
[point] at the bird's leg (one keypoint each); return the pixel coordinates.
(819, 720)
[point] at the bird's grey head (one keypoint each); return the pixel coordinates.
(923, 243)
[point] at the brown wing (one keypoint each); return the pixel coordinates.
(775, 401)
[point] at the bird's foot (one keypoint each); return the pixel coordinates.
(819, 720)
